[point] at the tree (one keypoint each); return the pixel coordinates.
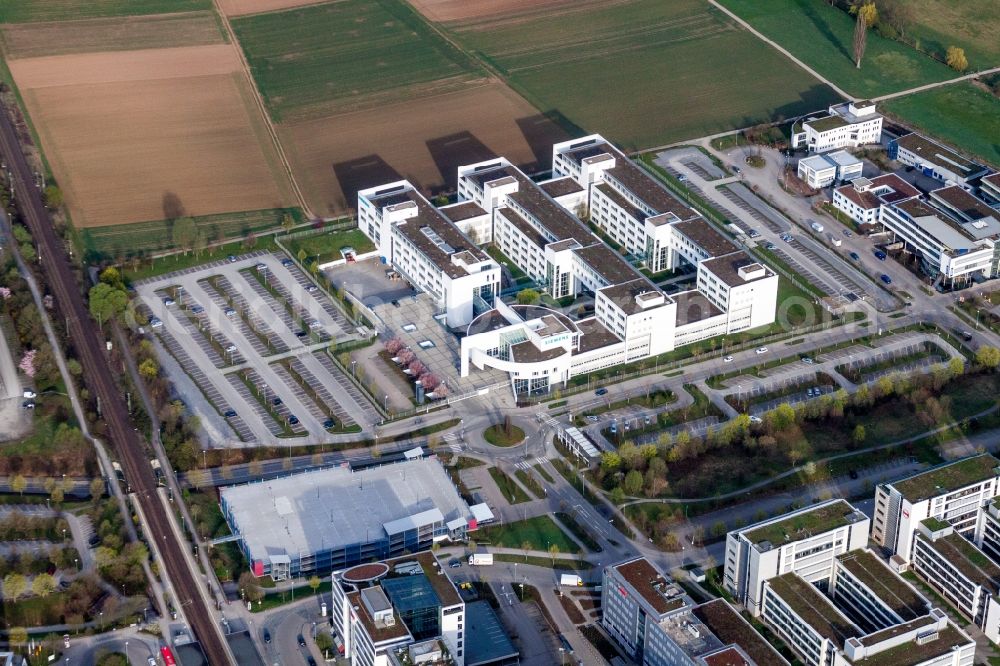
(249, 588)
(53, 197)
(18, 636)
(859, 434)
(43, 585)
(955, 57)
(287, 222)
(149, 369)
(18, 484)
(527, 296)
(314, 583)
(106, 302)
(988, 357)
(96, 489)
(866, 15)
(14, 586)
(183, 233)
(633, 482)
(58, 495)
(553, 551)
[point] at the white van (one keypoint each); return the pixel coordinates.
(817, 227)
(836, 241)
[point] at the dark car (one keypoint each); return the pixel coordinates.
(880, 255)
(855, 256)
(601, 391)
(276, 402)
(310, 661)
(293, 419)
(229, 413)
(267, 636)
(302, 640)
(853, 473)
(885, 278)
(329, 423)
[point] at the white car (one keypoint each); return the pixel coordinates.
(756, 419)
(155, 323)
(727, 359)
(28, 393)
(761, 350)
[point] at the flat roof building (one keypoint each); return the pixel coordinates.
(821, 170)
(935, 160)
(406, 605)
(325, 519)
(847, 125)
(863, 198)
(952, 492)
(806, 541)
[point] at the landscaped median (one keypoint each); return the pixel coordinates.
(539, 534)
(504, 434)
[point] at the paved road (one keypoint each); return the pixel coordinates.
(87, 339)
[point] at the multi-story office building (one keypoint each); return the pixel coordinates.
(960, 572)
(658, 625)
(405, 605)
(952, 250)
(867, 591)
(818, 171)
(987, 534)
(952, 492)
(847, 125)
(806, 542)
(989, 188)
(863, 198)
(429, 249)
(935, 160)
(534, 226)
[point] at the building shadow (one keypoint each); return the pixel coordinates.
(358, 174)
(542, 130)
(455, 150)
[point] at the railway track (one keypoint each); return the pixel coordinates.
(88, 341)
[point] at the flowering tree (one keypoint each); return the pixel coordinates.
(429, 381)
(393, 345)
(416, 368)
(27, 364)
(406, 357)
(5, 293)
(440, 392)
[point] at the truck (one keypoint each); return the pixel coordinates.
(817, 227)
(571, 579)
(481, 559)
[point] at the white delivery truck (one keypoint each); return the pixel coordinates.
(817, 227)
(481, 559)
(571, 579)
(835, 241)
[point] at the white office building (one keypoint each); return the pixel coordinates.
(657, 624)
(819, 171)
(952, 493)
(429, 249)
(989, 188)
(863, 198)
(381, 609)
(805, 542)
(935, 160)
(847, 125)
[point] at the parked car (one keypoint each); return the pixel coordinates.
(682, 178)
(293, 419)
(263, 267)
(753, 233)
(197, 309)
(168, 301)
(276, 401)
(807, 360)
(593, 418)
(847, 232)
(601, 391)
(28, 404)
(329, 423)
(312, 288)
(761, 350)
(727, 359)
(885, 278)
(229, 312)
(155, 322)
(232, 258)
(267, 636)
(756, 419)
(284, 262)
(229, 413)
(29, 393)
(880, 255)
(302, 640)
(770, 246)
(454, 564)
(614, 427)
(855, 256)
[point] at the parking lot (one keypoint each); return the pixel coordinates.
(369, 282)
(245, 342)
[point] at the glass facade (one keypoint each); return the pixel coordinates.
(418, 605)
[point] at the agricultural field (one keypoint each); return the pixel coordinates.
(963, 115)
(464, 10)
(645, 72)
(974, 26)
(822, 37)
(242, 7)
(150, 134)
(31, 40)
(423, 139)
(346, 56)
(23, 11)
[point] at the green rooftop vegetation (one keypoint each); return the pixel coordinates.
(948, 477)
(802, 525)
(934, 524)
(969, 560)
(807, 602)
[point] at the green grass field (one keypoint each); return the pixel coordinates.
(326, 246)
(320, 59)
(537, 533)
(646, 73)
(960, 114)
(972, 25)
(822, 37)
(129, 240)
(23, 11)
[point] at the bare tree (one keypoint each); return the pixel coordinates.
(866, 14)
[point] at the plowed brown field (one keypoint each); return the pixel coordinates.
(242, 7)
(423, 140)
(126, 131)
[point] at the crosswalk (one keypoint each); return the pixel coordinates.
(528, 464)
(453, 442)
